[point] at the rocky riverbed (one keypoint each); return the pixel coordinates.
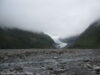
(50, 62)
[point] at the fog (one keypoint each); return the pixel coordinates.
(58, 18)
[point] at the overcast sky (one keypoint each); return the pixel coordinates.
(59, 18)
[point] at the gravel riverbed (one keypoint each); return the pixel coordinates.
(50, 62)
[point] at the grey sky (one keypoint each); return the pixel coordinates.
(59, 18)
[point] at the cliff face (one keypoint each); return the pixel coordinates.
(90, 38)
(17, 39)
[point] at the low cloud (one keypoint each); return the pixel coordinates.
(59, 18)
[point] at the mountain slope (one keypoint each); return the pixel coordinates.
(90, 38)
(20, 39)
(70, 41)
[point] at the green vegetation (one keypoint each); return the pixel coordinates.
(90, 39)
(20, 39)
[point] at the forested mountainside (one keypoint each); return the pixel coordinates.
(13, 38)
(90, 38)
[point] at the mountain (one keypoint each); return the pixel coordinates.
(90, 39)
(13, 38)
(70, 41)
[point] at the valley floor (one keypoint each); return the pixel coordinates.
(50, 62)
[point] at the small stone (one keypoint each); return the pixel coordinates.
(5, 58)
(89, 66)
(97, 70)
(86, 60)
(55, 57)
(49, 68)
(58, 71)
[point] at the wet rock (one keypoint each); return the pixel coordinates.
(5, 58)
(18, 69)
(87, 60)
(55, 57)
(97, 69)
(51, 62)
(89, 66)
(59, 71)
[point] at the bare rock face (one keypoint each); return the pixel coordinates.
(49, 62)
